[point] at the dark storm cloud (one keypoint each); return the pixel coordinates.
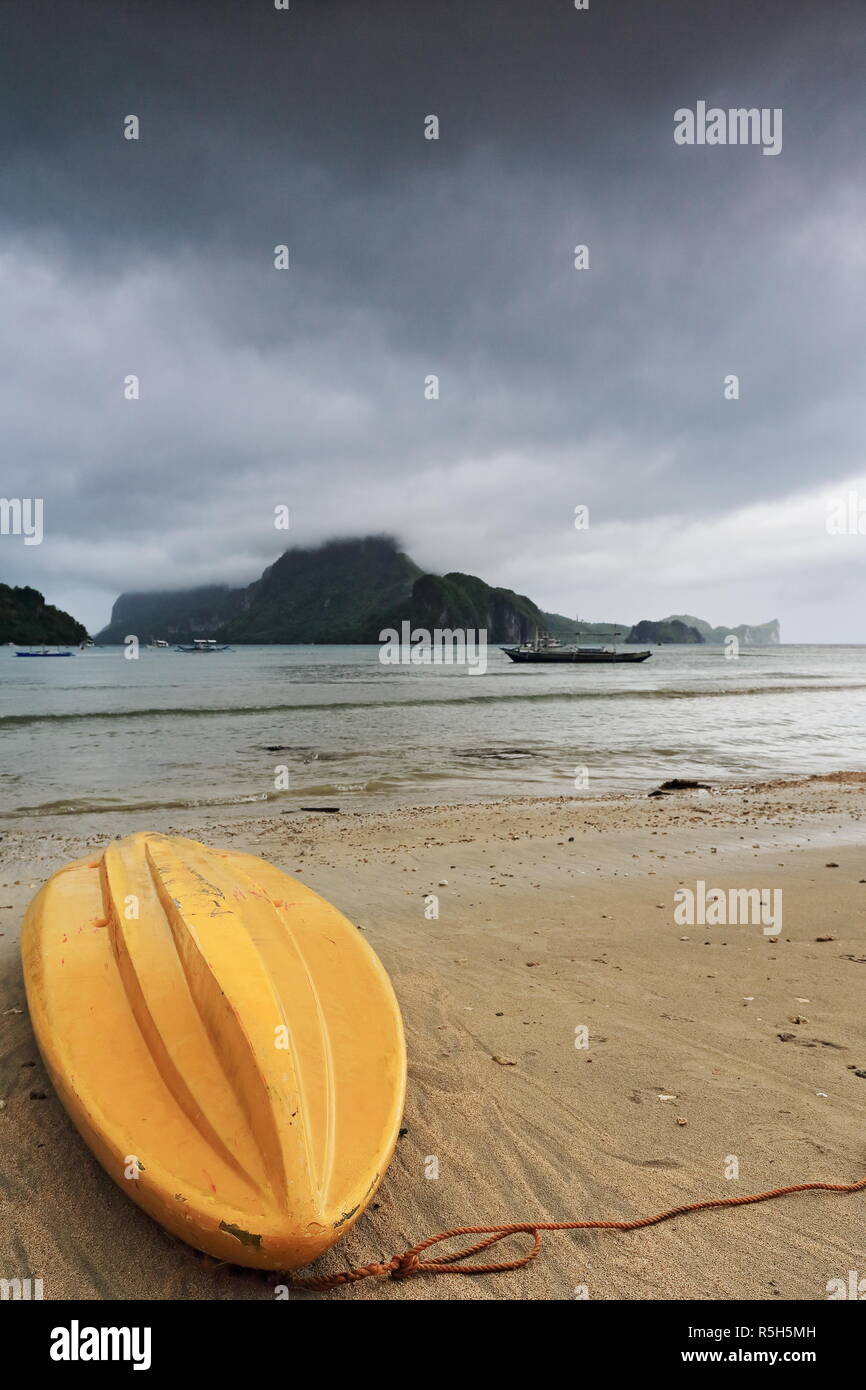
(412, 257)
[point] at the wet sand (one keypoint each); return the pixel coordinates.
(709, 1047)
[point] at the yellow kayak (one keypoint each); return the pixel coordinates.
(225, 1041)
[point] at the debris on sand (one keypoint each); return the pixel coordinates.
(681, 784)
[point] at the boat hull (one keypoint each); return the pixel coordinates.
(572, 658)
(233, 1055)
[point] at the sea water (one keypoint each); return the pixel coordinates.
(269, 729)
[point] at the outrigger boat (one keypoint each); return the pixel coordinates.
(204, 644)
(158, 645)
(43, 653)
(549, 649)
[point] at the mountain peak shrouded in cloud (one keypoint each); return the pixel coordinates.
(409, 257)
(345, 591)
(350, 589)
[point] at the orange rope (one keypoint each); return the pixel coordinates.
(408, 1264)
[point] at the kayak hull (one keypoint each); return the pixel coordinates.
(225, 1041)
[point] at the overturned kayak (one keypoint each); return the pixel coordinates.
(225, 1041)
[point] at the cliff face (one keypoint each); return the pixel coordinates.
(337, 592)
(464, 601)
(173, 615)
(26, 619)
(348, 591)
(342, 591)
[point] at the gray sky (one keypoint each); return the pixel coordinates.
(559, 387)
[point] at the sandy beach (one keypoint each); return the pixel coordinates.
(708, 1047)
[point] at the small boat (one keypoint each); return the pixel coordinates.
(158, 645)
(549, 649)
(204, 644)
(44, 652)
(251, 1095)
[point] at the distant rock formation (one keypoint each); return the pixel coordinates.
(27, 620)
(344, 591)
(464, 601)
(750, 634)
(348, 591)
(171, 614)
(668, 630)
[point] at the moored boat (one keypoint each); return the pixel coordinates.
(44, 653)
(204, 644)
(545, 648)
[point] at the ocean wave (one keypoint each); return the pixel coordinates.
(334, 706)
(77, 806)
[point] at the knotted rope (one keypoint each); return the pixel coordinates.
(407, 1265)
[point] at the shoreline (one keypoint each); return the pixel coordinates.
(555, 914)
(233, 817)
